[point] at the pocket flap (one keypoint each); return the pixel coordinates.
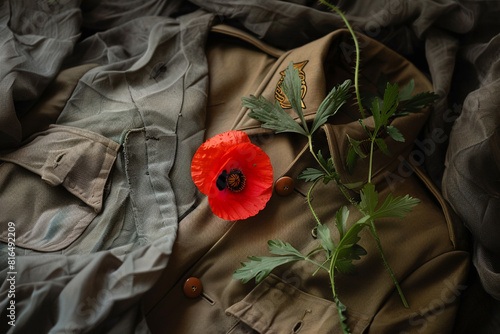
(275, 306)
(53, 186)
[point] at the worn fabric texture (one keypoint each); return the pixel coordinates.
(292, 297)
(103, 104)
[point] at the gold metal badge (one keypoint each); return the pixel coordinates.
(282, 99)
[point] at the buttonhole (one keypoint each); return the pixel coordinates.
(58, 159)
(298, 326)
(207, 298)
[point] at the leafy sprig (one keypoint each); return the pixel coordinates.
(341, 254)
(272, 116)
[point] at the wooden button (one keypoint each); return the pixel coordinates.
(192, 287)
(284, 186)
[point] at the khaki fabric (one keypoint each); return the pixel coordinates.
(425, 250)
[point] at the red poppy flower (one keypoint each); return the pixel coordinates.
(236, 175)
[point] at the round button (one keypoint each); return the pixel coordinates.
(284, 186)
(192, 287)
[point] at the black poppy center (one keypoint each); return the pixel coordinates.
(235, 180)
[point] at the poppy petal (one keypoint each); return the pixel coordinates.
(205, 165)
(231, 154)
(256, 166)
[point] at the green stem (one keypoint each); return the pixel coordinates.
(346, 195)
(316, 264)
(379, 245)
(332, 273)
(309, 137)
(371, 159)
(309, 199)
(356, 45)
(340, 185)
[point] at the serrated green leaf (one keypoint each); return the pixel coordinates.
(272, 116)
(369, 199)
(331, 104)
(259, 267)
(395, 207)
(406, 92)
(389, 106)
(345, 266)
(418, 102)
(327, 164)
(279, 247)
(311, 174)
(357, 251)
(341, 308)
(330, 177)
(351, 237)
(395, 134)
(321, 159)
(330, 166)
(346, 256)
(390, 102)
(341, 220)
(292, 88)
(325, 237)
(382, 146)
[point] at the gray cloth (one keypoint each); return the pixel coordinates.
(97, 197)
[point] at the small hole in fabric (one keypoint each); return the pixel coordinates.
(297, 327)
(58, 159)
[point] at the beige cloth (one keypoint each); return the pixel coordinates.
(425, 250)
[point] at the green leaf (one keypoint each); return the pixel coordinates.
(279, 247)
(406, 92)
(418, 102)
(376, 112)
(325, 237)
(353, 185)
(352, 158)
(331, 174)
(259, 267)
(390, 102)
(321, 159)
(347, 255)
(357, 251)
(292, 88)
(311, 174)
(395, 207)
(330, 166)
(331, 104)
(341, 220)
(351, 236)
(369, 199)
(345, 266)
(392, 207)
(395, 134)
(330, 177)
(382, 146)
(389, 106)
(272, 116)
(341, 308)
(356, 145)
